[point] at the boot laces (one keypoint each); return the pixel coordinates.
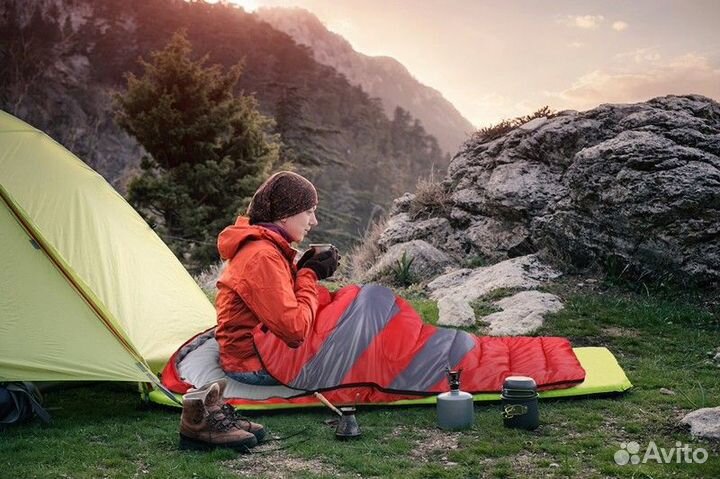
(235, 416)
(221, 422)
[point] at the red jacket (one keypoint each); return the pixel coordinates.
(260, 286)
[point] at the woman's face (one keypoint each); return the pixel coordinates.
(297, 226)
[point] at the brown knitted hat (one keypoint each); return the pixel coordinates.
(283, 194)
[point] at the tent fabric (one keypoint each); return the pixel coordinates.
(88, 290)
(603, 375)
(369, 344)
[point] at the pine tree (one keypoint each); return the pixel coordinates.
(208, 150)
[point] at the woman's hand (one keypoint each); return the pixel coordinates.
(306, 256)
(323, 264)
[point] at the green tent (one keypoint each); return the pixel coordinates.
(87, 290)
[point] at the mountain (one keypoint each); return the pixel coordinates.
(381, 77)
(61, 61)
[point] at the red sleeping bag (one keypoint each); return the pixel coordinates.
(367, 345)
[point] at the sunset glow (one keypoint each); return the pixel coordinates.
(500, 59)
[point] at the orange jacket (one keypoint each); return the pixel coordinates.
(260, 285)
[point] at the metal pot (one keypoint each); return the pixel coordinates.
(520, 403)
(347, 427)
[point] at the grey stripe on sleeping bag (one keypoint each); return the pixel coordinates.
(445, 348)
(360, 323)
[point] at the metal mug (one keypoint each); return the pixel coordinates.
(321, 247)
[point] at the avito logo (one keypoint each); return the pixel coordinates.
(681, 453)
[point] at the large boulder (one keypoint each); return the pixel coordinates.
(633, 187)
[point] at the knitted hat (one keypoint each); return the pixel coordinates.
(283, 194)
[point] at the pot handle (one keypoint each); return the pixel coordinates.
(512, 410)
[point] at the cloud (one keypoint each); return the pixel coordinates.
(690, 73)
(640, 56)
(619, 26)
(588, 22)
(576, 44)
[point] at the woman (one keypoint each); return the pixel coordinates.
(261, 284)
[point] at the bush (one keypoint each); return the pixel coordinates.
(402, 275)
(492, 132)
(431, 199)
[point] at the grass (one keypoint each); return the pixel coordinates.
(431, 198)
(102, 430)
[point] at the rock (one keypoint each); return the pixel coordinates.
(455, 291)
(455, 312)
(524, 272)
(716, 356)
(628, 185)
(642, 185)
(496, 240)
(402, 204)
(667, 392)
(704, 423)
(427, 262)
(533, 124)
(400, 229)
(522, 313)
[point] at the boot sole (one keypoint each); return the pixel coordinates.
(190, 444)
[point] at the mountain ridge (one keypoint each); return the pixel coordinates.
(383, 77)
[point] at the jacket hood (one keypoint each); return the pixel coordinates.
(234, 237)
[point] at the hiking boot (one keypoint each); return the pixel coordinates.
(203, 424)
(244, 423)
(241, 421)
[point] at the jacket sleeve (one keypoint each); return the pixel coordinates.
(266, 287)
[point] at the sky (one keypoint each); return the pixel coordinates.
(497, 59)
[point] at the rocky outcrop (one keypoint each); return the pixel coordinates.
(634, 189)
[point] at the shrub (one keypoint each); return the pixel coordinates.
(492, 132)
(431, 199)
(475, 261)
(401, 271)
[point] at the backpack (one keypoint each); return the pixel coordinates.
(19, 402)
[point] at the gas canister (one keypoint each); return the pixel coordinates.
(455, 409)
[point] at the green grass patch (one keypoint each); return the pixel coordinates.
(102, 430)
(482, 308)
